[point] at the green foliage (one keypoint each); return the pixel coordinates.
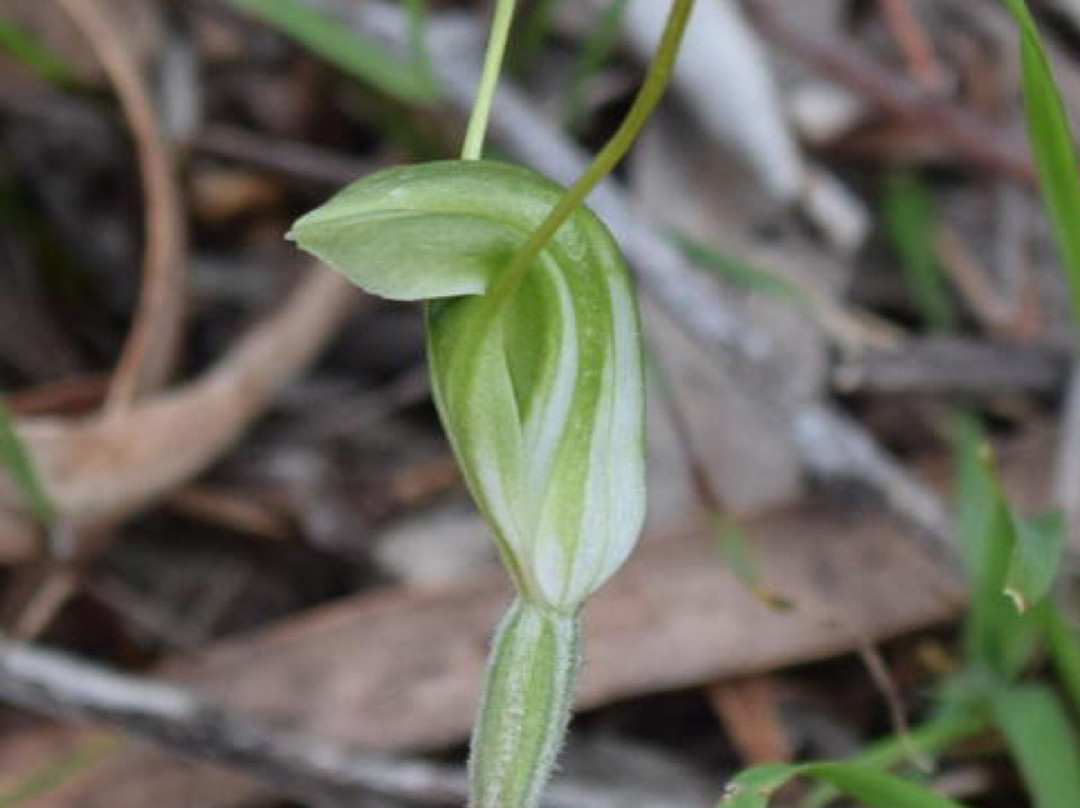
(738, 557)
(417, 11)
(875, 789)
(359, 56)
(735, 550)
(16, 461)
(1032, 719)
(56, 772)
(999, 639)
(909, 221)
(1064, 649)
(599, 42)
(24, 47)
(1008, 556)
(958, 720)
(1052, 145)
(535, 29)
(735, 271)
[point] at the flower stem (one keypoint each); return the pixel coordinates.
(526, 706)
(656, 81)
(485, 94)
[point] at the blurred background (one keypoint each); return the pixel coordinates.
(224, 493)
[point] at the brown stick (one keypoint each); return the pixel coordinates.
(150, 349)
(99, 470)
(913, 40)
(307, 768)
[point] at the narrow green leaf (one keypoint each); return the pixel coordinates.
(27, 49)
(909, 221)
(735, 271)
(974, 491)
(342, 47)
(735, 550)
(1063, 643)
(738, 558)
(599, 43)
(16, 461)
(1052, 146)
(533, 31)
(871, 787)
(952, 725)
(55, 773)
(997, 638)
(419, 53)
(1036, 558)
(1032, 718)
(986, 533)
(754, 787)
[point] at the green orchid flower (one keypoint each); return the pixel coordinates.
(538, 379)
(539, 388)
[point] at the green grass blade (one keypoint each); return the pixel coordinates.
(738, 557)
(1051, 145)
(735, 550)
(16, 461)
(909, 222)
(27, 49)
(595, 51)
(533, 31)
(56, 772)
(419, 53)
(986, 533)
(735, 271)
(875, 789)
(930, 738)
(997, 638)
(336, 43)
(1063, 644)
(1032, 719)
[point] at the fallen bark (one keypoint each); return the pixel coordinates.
(99, 470)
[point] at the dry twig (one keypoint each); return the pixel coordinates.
(957, 367)
(151, 345)
(306, 768)
(915, 43)
(100, 470)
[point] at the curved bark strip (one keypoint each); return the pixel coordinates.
(100, 470)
